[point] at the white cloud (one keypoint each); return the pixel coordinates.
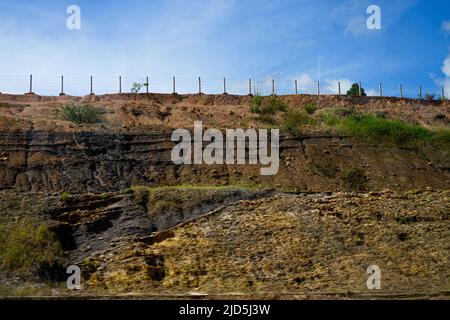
(332, 85)
(357, 26)
(445, 26)
(328, 86)
(305, 83)
(304, 80)
(446, 71)
(179, 42)
(444, 82)
(446, 67)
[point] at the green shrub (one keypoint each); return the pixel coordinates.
(330, 118)
(310, 108)
(430, 96)
(136, 87)
(441, 138)
(256, 104)
(354, 91)
(80, 113)
(26, 245)
(277, 104)
(270, 106)
(268, 109)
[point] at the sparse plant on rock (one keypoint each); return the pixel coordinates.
(80, 113)
(430, 96)
(310, 108)
(266, 106)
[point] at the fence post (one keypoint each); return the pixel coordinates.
(92, 87)
(273, 87)
(360, 89)
(401, 91)
(420, 91)
(224, 86)
(339, 88)
(173, 85)
(146, 84)
(296, 87)
(318, 87)
(31, 84)
(250, 87)
(120, 84)
(442, 94)
(199, 85)
(62, 87)
(380, 89)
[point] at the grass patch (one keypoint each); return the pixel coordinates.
(256, 103)
(267, 106)
(80, 113)
(384, 131)
(294, 120)
(26, 246)
(277, 104)
(333, 118)
(310, 108)
(441, 137)
(330, 118)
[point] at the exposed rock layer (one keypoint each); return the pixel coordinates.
(104, 161)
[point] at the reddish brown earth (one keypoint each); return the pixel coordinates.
(226, 231)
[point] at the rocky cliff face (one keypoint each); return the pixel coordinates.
(221, 241)
(137, 223)
(293, 246)
(79, 162)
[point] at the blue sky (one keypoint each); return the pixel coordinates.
(306, 40)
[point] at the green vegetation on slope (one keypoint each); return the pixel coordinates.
(267, 105)
(25, 246)
(80, 113)
(310, 108)
(390, 132)
(294, 120)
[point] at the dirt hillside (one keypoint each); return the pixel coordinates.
(362, 181)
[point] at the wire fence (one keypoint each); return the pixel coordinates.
(79, 86)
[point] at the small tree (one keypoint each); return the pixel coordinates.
(136, 87)
(430, 96)
(354, 91)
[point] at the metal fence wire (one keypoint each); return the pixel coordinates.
(79, 86)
